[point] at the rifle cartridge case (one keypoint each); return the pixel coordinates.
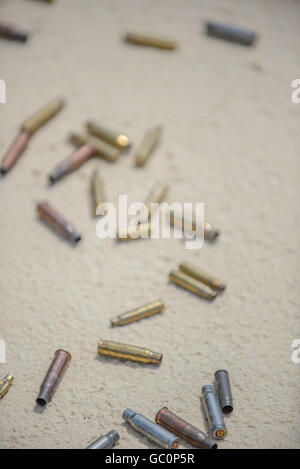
(151, 430)
(97, 191)
(191, 284)
(29, 127)
(202, 276)
(183, 429)
(157, 194)
(5, 384)
(149, 142)
(134, 232)
(53, 376)
(224, 391)
(106, 441)
(138, 313)
(12, 34)
(117, 139)
(128, 352)
(150, 41)
(71, 163)
(52, 218)
(210, 233)
(213, 413)
(230, 33)
(102, 149)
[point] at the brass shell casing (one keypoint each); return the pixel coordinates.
(117, 139)
(128, 352)
(150, 41)
(202, 276)
(97, 191)
(191, 284)
(149, 142)
(138, 313)
(42, 116)
(134, 232)
(210, 233)
(5, 384)
(102, 149)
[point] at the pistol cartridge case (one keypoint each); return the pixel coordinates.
(150, 41)
(52, 218)
(213, 413)
(134, 232)
(230, 33)
(106, 441)
(149, 142)
(53, 376)
(183, 429)
(5, 384)
(138, 313)
(97, 191)
(224, 391)
(12, 34)
(151, 430)
(202, 276)
(117, 139)
(128, 352)
(29, 127)
(210, 233)
(191, 284)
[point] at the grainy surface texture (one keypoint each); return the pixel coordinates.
(231, 140)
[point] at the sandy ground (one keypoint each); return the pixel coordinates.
(231, 140)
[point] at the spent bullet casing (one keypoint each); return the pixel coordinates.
(230, 33)
(142, 230)
(53, 376)
(202, 276)
(151, 430)
(210, 233)
(128, 352)
(12, 33)
(71, 163)
(149, 142)
(29, 127)
(191, 284)
(213, 413)
(56, 221)
(5, 384)
(102, 149)
(150, 41)
(157, 194)
(183, 429)
(138, 313)
(223, 390)
(106, 441)
(117, 139)
(97, 191)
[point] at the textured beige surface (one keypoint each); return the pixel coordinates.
(231, 140)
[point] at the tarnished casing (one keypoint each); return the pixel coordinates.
(53, 376)
(52, 218)
(128, 352)
(230, 33)
(13, 34)
(117, 139)
(138, 313)
(97, 191)
(191, 284)
(42, 116)
(106, 441)
(102, 149)
(71, 163)
(213, 413)
(223, 389)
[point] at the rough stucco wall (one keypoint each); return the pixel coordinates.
(231, 140)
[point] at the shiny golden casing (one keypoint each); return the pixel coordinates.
(191, 284)
(128, 352)
(5, 384)
(202, 276)
(149, 142)
(118, 140)
(102, 149)
(150, 41)
(138, 313)
(42, 116)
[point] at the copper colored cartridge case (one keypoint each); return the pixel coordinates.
(230, 33)
(52, 218)
(12, 34)
(191, 284)
(71, 163)
(97, 191)
(202, 276)
(223, 389)
(29, 127)
(213, 413)
(210, 233)
(106, 441)
(183, 429)
(149, 142)
(128, 352)
(117, 139)
(102, 149)
(53, 376)
(150, 41)
(142, 231)
(5, 384)
(138, 313)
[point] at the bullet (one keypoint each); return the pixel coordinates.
(150, 41)
(202, 276)
(210, 233)
(106, 441)
(213, 413)
(151, 430)
(12, 34)
(230, 33)
(191, 284)
(5, 384)
(53, 376)
(128, 352)
(52, 218)
(224, 391)
(183, 429)
(28, 129)
(134, 232)
(149, 142)
(117, 139)
(138, 313)
(97, 191)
